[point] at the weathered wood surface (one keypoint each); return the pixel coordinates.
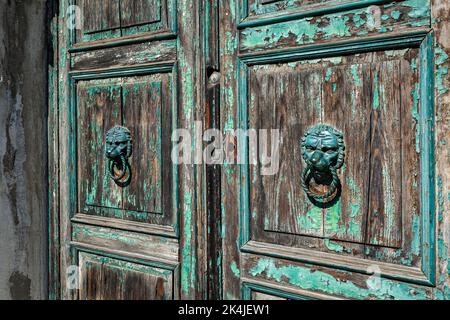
(141, 220)
(104, 278)
(23, 150)
(441, 26)
(230, 173)
(136, 12)
(143, 105)
(98, 110)
(377, 218)
(359, 95)
(327, 281)
(378, 99)
(101, 15)
(113, 19)
(374, 20)
(125, 56)
(213, 204)
(130, 244)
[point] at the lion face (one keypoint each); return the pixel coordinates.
(323, 148)
(321, 151)
(118, 143)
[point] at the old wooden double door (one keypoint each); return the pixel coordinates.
(129, 222)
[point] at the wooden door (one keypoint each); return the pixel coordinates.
(123, 234)
(365, 68)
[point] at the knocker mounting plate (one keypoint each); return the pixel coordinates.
(118, 150)
(323, 151)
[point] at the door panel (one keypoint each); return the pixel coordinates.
(359, 95)
(104, 278)
(104, 20)
(138, 104)
(126, 240)
(366, 70)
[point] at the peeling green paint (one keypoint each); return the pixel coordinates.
(415, 114)
(337, 27)
(360, 21)
(395, 14)
(328, 74)
(312, 221)
(188, 265)
(441, 70)
(333, 216)
(419, 8)
(333, 246)
(376, 93)
(356, 78)
(311, 279)
(235, 269)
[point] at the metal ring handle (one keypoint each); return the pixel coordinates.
(306, 179)
(118, 148)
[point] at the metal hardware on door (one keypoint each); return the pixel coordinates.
(214, 78)
(119, 147)
(323, 151)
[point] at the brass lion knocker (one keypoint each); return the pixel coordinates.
(119, 147)
(323, 150)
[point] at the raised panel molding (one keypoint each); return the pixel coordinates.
(303, 278)
(424, 272)
(158, 212)
(263, 12)
(266, 290)
(129, 243)
(155, 52)
(278, 34)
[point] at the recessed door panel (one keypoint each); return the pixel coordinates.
(138, 104)
(104, 278)
(105, 20)
(360, 96)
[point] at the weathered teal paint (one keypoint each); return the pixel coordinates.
(249, 288)
(307, 278)
(376, 93)
(441, 70)
(235, 269)
(332, 26)
(427, 157)
(272, 17)
(355, 75)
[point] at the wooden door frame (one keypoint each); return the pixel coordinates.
(200, 59)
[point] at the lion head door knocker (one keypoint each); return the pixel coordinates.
(323, 150)
(119, 147)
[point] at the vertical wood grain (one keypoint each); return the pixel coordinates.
(143, 117)
(287, 101)
(101, 15)
(136, 12)
(347, 96)
(385, 184)
(99, 109)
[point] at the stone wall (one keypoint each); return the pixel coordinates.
(23, 150)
